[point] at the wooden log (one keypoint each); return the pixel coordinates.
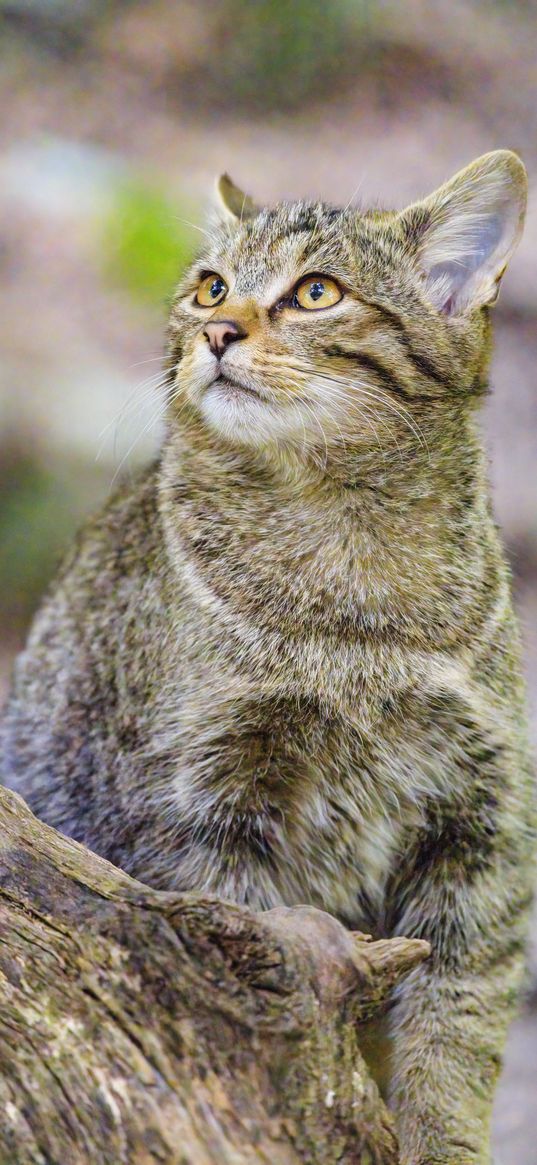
(140, 1027)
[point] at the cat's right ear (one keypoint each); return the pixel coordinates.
(465, 233)
(231, 203)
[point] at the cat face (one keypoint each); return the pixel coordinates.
(323, 328)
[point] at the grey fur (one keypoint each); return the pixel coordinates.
(283, 667)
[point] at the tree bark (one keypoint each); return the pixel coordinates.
(141, 1027)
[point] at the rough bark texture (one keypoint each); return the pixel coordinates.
(144, 1027)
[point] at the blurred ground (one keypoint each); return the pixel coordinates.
(119, 116)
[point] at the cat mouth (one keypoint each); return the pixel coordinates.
(234, 388)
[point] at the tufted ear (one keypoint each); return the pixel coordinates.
(466, 232)
(231, 203)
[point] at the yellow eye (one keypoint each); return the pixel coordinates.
(212, 290)
(316, 292)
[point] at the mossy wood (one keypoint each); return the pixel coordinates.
(140, 1027)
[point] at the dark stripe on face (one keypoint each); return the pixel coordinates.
(421, 362)
(371, 364)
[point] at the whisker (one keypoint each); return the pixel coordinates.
(147, 428)
(317, 421)
(355, 192)
(378, 397)
(318, 405)
(296, 407)
(353, 407)
(130, 408)
(365, 413)
(186, 222)
(148, 360)
(350, 404)
(136, 396)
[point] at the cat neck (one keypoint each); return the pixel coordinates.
(443, 460)
(304, 552)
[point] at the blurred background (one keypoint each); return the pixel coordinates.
(116, 118)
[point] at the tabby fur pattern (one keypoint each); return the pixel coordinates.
(283, 666)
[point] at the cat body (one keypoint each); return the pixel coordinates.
(284, 667)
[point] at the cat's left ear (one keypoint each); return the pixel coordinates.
(232, 203)
(465, 233)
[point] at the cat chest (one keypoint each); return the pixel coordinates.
(291, 809)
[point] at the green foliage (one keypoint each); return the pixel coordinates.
(40, 510)
(145, 241)
(282, 53)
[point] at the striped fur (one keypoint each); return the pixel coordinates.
(284, 667)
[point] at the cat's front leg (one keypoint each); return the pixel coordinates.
(451, 1016)
(449, 1038)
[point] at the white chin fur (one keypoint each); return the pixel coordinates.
(247, 419)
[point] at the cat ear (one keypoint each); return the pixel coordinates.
(466, 232)
(231, 202)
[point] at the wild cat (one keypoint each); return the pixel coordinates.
(283, 667)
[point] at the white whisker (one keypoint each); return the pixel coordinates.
(186, 222)
(354, 193)
(131, 408)
(378, 397)
(156, 416)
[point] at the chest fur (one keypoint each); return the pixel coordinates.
(279, 802)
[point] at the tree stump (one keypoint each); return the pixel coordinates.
(140, 1027)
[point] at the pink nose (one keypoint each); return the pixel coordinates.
(222, 333)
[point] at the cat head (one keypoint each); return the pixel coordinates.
(320, 327)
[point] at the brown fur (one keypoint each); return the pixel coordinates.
(284, 667)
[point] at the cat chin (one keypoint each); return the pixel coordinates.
(243, 416)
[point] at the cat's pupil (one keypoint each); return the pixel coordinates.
(216, 288)
(316, 290)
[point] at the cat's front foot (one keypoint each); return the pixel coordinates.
(341, 961)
